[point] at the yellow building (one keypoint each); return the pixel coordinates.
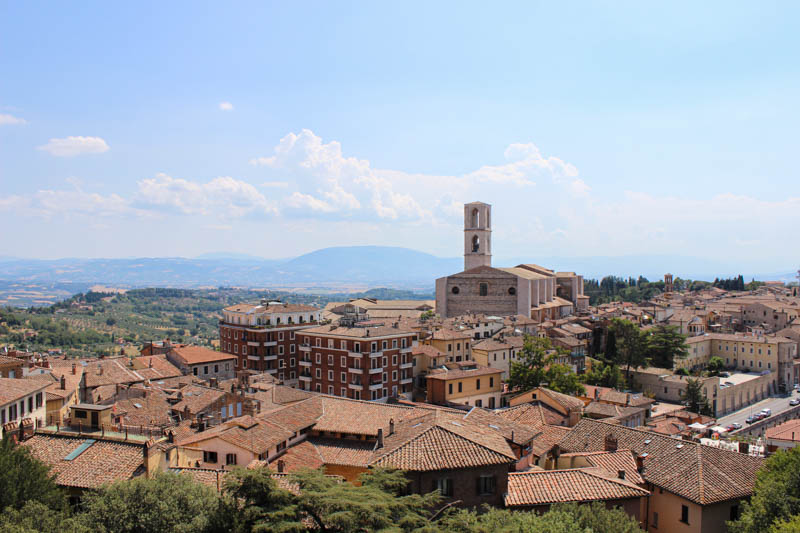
(466, 384)
(454, 344)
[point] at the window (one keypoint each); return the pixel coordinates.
(384, 345)
(343, 377)
(244, 350)
(512, 291)
(343, 345)
(209, 457)
(385, 377)
(230, 458)
(216, 369)
(205, 369)
(460, 388)
(194, 370)
(449, 388)
(478, 384)
(343, 392)
(292, 348)
(491, 382)
(374, 347)
(235, 348)
(357, 347)
(280, 349)
(319, 358)
(280, 335)
(227, 367)
(292, 334)
(486, 485)
(319, 373)
(394, 375)
(330, 390)
(444, 486)
(330, 343)
(330, 375)
(292, 362)
(684, 514)
(455, 290)
(330, 360)
(483, 289)
(394, 343)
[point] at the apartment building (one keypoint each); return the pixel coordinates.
(454, 343)
(263, 337)
(365, 361)
(465, 384)
(202, 362)
(21, 399)
(749, 353)
(771, 316)
(498, 353)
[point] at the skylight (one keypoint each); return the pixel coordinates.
(79, 450)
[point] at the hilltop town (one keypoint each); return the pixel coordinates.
(508, 390)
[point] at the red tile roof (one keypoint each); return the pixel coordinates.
(559, 486)
(194, 355)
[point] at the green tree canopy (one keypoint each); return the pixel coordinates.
(603, 375)
(537, 366)
(695, 398)
(775, 502)
(167, 503)
(23, 478)
(665, 344)
(36, 517)
(631, 345)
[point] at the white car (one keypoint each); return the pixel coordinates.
(767, 412)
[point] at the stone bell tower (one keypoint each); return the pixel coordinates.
(477, 235)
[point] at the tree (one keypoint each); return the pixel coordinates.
(164, 504)
(665, 344)
(603, 375)
(776, 496)
(378, 504)
(253, 502)
(631, 345)
(23, 478)
(695, 399)
(715, 365)
(564, 518)
(536, 366)
(36, 517)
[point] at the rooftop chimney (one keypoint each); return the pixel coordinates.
(380, 438)
(610, 443)
(74, 369)
(391, 428)
(99, 370)
(640, 463)
(63, 382)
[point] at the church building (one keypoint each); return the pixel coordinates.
(529, 290)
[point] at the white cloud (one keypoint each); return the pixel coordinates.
(72, 146)
(11, 120)
(223, 196)
(225, 106)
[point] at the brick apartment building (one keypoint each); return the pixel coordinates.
(364, 361)
(263, 337)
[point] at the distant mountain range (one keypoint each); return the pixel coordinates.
(351, 267)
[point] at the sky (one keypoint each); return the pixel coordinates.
(274, 129)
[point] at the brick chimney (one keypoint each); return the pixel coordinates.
(391, 427)
(74, 369)
(610, 443)
(380, 438)
(25, 429)
(63, 382)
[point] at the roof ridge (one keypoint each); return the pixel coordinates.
(701, 486)
(436, 424)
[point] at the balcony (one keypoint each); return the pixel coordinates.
(272, 371)
(406, 381)
(270, 343)
(406, 365)
(356, 386)
(355, 354)
(307, 379)
(376, 354)
(407, 349)
(270, 357)
(377, 370)
(305, 347)
(375, 386)
(253, 358)
(305, 362)
(253, 343)
(355, 370)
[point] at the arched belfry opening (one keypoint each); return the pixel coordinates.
(477, 235)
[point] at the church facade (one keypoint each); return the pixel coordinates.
(529, 290)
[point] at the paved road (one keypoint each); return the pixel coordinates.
(777, 404)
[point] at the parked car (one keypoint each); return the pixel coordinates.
(794, 401)
(750, 419)
(766, 412)
(736, 425)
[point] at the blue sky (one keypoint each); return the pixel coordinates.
(153, 129)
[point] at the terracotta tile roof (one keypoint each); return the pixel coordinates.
(197, 398)
(510, 430)
(302, 455)
(460, 373)
(610, 410)
(344, 452)
(426, 349)
(358, 417)
(110, 371)
(560, 486)
(155, 367)
(248, 433)
(271, 309)
(102, 462)
(565, 400)
(436, 442)
(152, 410)
(505, 343)
(209, 477)
(702, 474)
(194, 355)
(12, 389)
(529, 414)
(450, 335)
(549, 437)
(612, 462)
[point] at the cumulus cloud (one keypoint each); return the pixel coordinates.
(224, 196)
(72, 146)
(225, 106)
(11, 120)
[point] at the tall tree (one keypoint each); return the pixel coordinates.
(23, 478)
(776, 496)
(695, 399)
(665, 344)
(631, 345)
(164, 504)
(537, 366)
(36, 517)
(603, 375)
